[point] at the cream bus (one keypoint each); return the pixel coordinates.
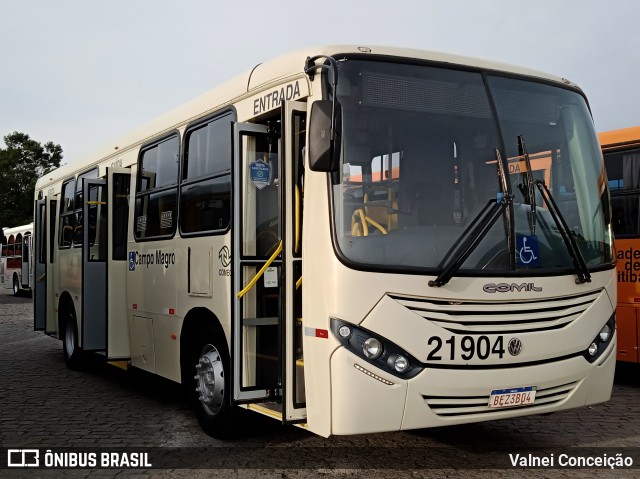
(15, 258)
(347, 238)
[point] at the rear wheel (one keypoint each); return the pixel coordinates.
(70, 347)
(209, 384)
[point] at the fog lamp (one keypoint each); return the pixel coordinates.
(372, 348)
(344, 331)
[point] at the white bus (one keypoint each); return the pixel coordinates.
(15, 260)
(350, 239)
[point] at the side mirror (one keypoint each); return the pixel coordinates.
(324, 153)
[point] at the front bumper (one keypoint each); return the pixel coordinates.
(366, 399)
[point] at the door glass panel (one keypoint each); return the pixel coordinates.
(261, 205)
(97, 234)
(298, 357)
(121, 185)
(260, 232)
(41, 234)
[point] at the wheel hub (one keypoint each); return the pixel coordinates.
(210, 380)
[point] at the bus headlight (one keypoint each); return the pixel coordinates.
(372, 348)
(375, 349)
(601, 341)
(400, 363)
(604, 334)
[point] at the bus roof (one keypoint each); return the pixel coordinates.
(260, 77)
(620, 139)
(18, 229)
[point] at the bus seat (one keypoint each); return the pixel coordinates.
(381, 205)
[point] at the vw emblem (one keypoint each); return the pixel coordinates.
(515, 346)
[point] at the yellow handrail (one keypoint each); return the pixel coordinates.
(364, 219)
(261, 272)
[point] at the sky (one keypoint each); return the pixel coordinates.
(84, 73)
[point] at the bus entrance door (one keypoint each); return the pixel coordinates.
(105, 217)
(294, 116)
(94, 265)
(257, 266)
(40, 269)
(267, 356)
(27, 265)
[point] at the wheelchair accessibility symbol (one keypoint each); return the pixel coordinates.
(527, 251)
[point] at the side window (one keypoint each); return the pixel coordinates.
(67, 214)
(156, 191)
(10, 252)
(205, 199)
(77, 230)
(624, 183)
(18, 245)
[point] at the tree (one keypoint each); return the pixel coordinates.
(22, 162)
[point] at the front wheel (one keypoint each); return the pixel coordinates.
(210, 385)
(16, 285)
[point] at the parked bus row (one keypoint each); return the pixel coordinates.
(15, 259)
(348, 239)
(621, 149)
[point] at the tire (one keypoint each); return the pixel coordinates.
(71, 349)
(16, 285)
(208, 384)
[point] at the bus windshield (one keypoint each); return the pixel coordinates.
(419, 163)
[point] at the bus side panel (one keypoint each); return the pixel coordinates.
(628, 266)
(627, 325)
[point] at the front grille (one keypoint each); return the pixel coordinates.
(490, 317)
(456, 406)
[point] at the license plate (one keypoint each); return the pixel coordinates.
(512, 397)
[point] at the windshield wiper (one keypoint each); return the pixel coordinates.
(528, 187)
(475, 232)
(582, 270)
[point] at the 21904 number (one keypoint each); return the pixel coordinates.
(467, 347)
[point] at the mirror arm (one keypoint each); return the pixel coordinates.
(310, 67)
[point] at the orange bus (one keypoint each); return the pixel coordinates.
(621, 150)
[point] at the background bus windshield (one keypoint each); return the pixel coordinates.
(419, 164)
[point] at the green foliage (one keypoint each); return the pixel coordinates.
(22, 162)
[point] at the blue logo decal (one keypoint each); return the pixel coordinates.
(260, 173)
(132, 260)
(527, 253)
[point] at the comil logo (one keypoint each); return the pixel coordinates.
(23, 458)
(510, 288)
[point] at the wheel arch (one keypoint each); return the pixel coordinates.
(65, 302)
(194, 323)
